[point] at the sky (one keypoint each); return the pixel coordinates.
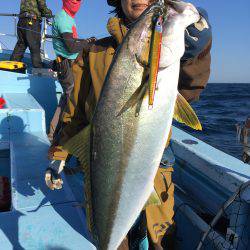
(230, 21)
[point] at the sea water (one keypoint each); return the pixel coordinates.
(220, 107)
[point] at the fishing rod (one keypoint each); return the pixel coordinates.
(7, 14)
(21, 14)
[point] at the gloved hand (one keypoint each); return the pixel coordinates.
(52, 175)
(91, 40)
(57, 153)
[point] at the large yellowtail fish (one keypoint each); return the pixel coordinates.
(121, 149)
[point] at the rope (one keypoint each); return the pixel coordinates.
(46, 36)
(4, 44)
(238, 193)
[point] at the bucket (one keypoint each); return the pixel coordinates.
(2, 103)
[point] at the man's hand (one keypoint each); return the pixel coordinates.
(57, 153)
(91, 39)
(52, 175)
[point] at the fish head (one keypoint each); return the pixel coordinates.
(139, 35)
(179, 15)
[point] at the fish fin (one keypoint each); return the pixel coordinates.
(184, 113)
(79, 146)
(134, 99)
(153, 199)
(72, 171)
(142, 60)
(138, 107)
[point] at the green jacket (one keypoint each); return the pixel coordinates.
(35, 7)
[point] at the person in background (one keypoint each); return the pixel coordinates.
(153, 228)
(29, 30)
(67, 47)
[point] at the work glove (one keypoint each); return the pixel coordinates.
(52, 175)
(57, 153)
(87, 44)
(91, 39)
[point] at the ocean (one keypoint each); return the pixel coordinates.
(220, 107)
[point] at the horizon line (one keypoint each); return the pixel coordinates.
(229, 82)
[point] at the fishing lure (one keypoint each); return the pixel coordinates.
(154, 58)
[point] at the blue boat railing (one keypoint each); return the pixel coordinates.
(206, 179)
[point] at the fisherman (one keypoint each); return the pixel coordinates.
(29, 30)
(67, 47)
(90, 71)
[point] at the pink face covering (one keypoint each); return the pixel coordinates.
(71, 6)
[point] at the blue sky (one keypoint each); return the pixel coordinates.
(230, 21)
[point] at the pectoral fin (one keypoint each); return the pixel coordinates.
(79, 146)
(153, 199)
(136, 98)
(184, 113)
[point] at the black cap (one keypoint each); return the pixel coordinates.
(112, 2)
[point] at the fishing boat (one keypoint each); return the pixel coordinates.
(212, 188)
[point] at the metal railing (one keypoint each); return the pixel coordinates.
(45, 37)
